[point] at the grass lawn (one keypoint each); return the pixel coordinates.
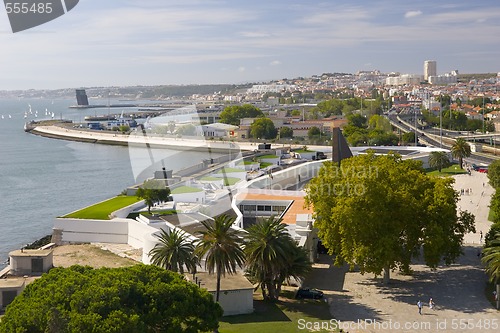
(268, 156)
(265, 164)
(185, 189)
(450, 171)
(246, 163)
(282, 317)
(102, 210)
(303, 151)
(229, 170)
(229, 181)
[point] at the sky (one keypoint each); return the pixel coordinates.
(153, 42)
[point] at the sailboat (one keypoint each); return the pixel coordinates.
(10, 116)
(2, 116)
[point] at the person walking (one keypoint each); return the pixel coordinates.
(419, 304)
(481, 237)
(431, 304)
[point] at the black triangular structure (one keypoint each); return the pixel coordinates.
(340, 148)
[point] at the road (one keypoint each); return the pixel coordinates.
(430, 139)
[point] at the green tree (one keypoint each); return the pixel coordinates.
(379, 123)
(174, 251)
(408, 137)
(378, 212)
(439, 160)
(233, 114)
(124, 128)
(286, 132)
(313, 132)
(460, 149)
(357, 120)
(137, 299)
(171, 126)
(494, 174)
(491, 259)
(263, 128)
(221, 246)
(273, 257)
(153, 191)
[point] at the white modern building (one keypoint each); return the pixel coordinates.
(430, 69)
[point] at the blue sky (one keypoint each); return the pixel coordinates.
(134, 42)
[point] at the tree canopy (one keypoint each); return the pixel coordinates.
(220, 245)
(153, 191)
(439, 160)
(174, 251)
(378, 212)
(460, 149)
(233, 114)
(286, 132)
(263, 128)
(141, 298)
(494, 174)
(273, 257)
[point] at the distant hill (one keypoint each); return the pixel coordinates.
(477, 76)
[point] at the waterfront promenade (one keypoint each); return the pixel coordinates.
(137, 139)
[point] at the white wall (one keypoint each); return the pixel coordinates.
(93, 231)
(194, 197)
(123, 213)
(236, 302)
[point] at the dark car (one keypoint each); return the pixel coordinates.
(309, 293)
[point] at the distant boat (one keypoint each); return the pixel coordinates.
(53, 115)
(46, 112)
(25, 115)
(10, 116)
(2, 116)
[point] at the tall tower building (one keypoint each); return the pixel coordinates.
(429, 69)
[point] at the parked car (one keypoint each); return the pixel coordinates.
(309, 293)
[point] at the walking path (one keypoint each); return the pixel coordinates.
(363, 304)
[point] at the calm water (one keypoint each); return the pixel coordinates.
(42, 178)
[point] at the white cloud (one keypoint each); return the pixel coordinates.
(241, 69)
(413, 13)
(275, 63)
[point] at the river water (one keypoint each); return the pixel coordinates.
(42, 178)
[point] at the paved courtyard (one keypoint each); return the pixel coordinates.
(358, 301)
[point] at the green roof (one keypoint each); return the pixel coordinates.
(304, 151)
(269, 156)
(185, 189)
(210, 179)
(229, 170)
(102, 210)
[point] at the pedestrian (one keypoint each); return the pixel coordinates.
(480, 237)
(431, 304)
(419, 304)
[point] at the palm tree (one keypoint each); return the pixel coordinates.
(439, 160)
(174, 252)
(272, 256)
(460, 149)
(491, 258)
(221, 246)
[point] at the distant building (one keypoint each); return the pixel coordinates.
(81, 97)
(430, 69)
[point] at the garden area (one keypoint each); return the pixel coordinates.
(102, 210)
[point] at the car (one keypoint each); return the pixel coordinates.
(309, 293)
